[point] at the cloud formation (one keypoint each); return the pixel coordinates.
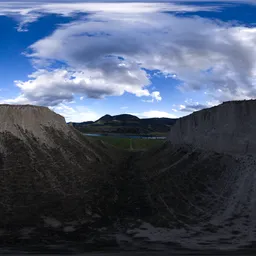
(216, 57)
(29, 11)
(154, 113)
(49, 88)
(156, 97)
(108, 52)
(76, 113)
(192, 106)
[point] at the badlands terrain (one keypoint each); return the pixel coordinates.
(62, 192)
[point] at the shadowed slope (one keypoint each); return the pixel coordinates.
(56, 178)
(202, 183)
(201, 196)
(206, 198)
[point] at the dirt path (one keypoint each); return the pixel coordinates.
(131, 147)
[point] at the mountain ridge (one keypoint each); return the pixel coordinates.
(15, 118)
(126, 123)
(226, 128)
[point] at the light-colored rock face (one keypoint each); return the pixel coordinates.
(30, 118)
(228, 128)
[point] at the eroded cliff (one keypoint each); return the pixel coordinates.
(227, 128)
(47, 167)
(16, 119)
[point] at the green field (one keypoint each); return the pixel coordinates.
(130, 144)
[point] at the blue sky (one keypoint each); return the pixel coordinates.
(151, 59)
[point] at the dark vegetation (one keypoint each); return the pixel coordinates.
(126, 124)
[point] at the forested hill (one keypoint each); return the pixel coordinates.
(126, 123)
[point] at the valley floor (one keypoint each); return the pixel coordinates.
(130, 143)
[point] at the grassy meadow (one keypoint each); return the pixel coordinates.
(130, 144)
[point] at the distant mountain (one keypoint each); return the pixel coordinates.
(126, 123)
(118, 118)
(162, 120)
(105, 118)
(82, 124)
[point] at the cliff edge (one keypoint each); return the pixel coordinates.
(46, 166)
(227, 128)
(19, 118)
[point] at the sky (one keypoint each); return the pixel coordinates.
(151, 59)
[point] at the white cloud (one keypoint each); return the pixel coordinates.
(29, 11)
(156, 95)
(75, 114)
(154, 113)
(51, 88)
(16, 101)
(217, 58)
(214, 56)
(148, 101)
(191, 106)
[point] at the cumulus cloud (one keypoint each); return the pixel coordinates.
(155, 97)
(49, 88)
(117, 48)
(75, 114)
(154, 113)
(109, 52)
(192, 106)
(29, 11)
(18, 100)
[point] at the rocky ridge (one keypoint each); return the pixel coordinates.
(18, 118)
(227, 128)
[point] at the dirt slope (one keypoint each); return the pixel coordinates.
(207, 199)
(202, 183)
(48, 168)
(186, 193)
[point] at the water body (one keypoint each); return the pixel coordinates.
(126, 136)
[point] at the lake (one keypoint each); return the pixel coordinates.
(126, 136)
